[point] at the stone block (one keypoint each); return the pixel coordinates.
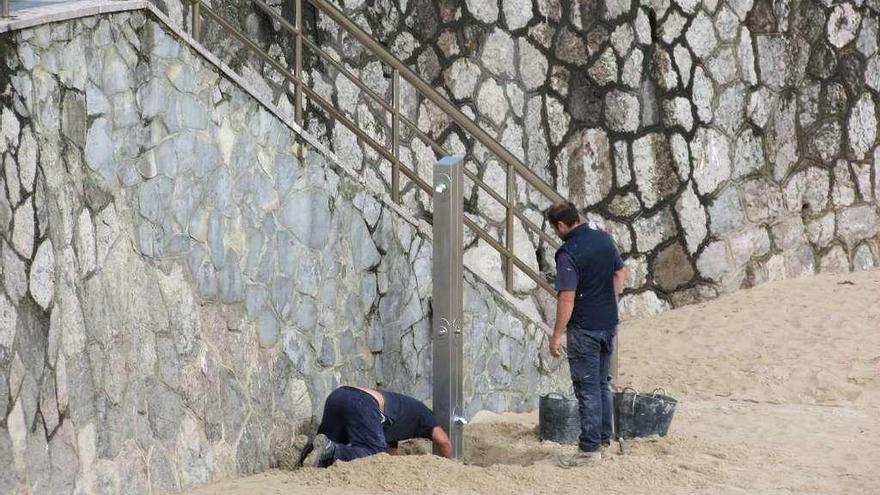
(588, 171)
(834, 261)
(462, 77)
(843, 23)
(748, 244)
(864, 258)
(631, 75)
(762, 200)
(825, 142)
(653, 230)
(165, 410)
(701, 36)
(23, 229)
(622, 111)
(642, 304)
(808, 189)
(820, 232)
(492, 102)
(485, 12)
(498, 53)
(857, 223)
(604, 70)
(672, 268)
(748, 154)
(710, 151)
(677, 113)
(306, 214)
(775, 53)
(788, 234)
(42, 276)
(655, 172)
(692, 217)
(862, 128)
(15, 280)
(715, 262)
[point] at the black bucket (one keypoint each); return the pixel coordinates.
(642, 415)
(558, 418)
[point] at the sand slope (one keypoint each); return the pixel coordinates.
(779, 390)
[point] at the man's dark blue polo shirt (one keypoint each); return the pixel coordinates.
(406, 418)
(585, 263)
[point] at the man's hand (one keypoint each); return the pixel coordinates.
(555, 345)
(564, 307)
(441, 441)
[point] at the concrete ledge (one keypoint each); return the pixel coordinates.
(45, 14)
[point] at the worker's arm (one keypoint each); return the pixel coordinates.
(620, 280)
(441, 440)
(564, 307)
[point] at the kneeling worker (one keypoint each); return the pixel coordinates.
(359, 422)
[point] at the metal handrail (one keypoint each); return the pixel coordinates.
(399, 70)
(436, 98)
(5, 12)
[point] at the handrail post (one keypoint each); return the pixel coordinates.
(447, 299)
(5, 8)
(298, 64)
(395, 136)
(195, 20)
(508, 228)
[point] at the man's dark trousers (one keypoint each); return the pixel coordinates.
(589, 359)
(352, 420)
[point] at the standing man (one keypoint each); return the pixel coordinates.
(359, 422)
(589, 276)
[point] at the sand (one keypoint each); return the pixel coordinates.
(779, 390)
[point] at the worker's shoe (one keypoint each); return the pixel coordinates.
(581, 458)
(321, 453)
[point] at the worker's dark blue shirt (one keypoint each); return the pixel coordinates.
(585, 263)
(406, 418)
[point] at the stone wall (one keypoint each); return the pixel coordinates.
(185, 277)
(722, 144)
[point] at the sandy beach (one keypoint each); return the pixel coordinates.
(778, 389)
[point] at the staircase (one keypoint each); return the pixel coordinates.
(405, 137)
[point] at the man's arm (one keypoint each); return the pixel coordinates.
(564, 308)
(620, 280)
(441, 441)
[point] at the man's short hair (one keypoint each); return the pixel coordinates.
(564, 212)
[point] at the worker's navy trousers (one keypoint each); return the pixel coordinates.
(353, 422)
(589, 360)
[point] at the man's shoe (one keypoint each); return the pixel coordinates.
(581, 458)
(307, 449)
(321, 454)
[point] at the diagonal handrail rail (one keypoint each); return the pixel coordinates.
(515, 167)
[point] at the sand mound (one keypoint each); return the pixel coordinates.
(779, 393)
(803, 341)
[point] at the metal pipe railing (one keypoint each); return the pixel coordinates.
(436, 98)
(5, 12)
(400, 72)
(298, 65)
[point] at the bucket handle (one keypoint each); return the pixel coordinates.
(654, 393)
(635, 395)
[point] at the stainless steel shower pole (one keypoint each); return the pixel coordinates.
(447, 303)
